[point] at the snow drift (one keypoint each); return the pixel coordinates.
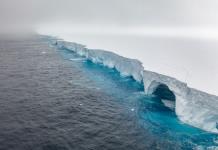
(193, 107)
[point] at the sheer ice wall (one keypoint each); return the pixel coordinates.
(193, 107)
(126, 66)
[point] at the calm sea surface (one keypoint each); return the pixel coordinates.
(52, 99)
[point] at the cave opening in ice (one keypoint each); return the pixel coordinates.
(163, 92)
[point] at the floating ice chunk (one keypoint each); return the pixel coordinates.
(168, 103)
(76, 59)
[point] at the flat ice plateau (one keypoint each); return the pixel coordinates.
(192, 106)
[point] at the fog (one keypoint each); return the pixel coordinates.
(155, 13)
(172, 37)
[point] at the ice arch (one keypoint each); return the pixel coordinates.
(154, 80)
(193, 107)
(167, 88)
(162, 91)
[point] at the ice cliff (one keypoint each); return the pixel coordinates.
(193, 107)
(126, 66)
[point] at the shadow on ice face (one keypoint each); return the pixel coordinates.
(163, 92)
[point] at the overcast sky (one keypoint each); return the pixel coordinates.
(147, 13)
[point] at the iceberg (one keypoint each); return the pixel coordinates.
(192, 106)
(126, 66)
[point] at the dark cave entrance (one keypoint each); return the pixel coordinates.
(162, 91)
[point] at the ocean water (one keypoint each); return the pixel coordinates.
(53, 99)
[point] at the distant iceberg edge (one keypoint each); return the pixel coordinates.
(192, 106)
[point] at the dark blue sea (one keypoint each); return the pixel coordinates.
(53, 99)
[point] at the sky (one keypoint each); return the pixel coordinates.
(130, 13)
(173, 17)
(172, 37)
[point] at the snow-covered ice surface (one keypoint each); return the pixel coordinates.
(193, 107)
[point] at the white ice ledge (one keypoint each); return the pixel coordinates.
(193, 107)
